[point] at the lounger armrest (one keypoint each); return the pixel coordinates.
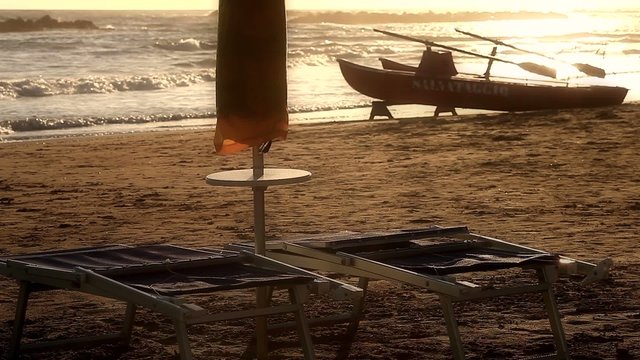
(599, 272)
(591, 272)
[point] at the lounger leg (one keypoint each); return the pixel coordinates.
(183, 339)
(296, 296)
(127, 325)
(358, 307)
(545, 276)
(262, 342)
(452, 328)
(18, 324)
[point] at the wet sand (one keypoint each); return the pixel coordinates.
(562, 181)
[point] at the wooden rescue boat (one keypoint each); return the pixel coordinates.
(436, 81)
(396, 87)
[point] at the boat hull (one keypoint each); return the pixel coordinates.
(397, 87)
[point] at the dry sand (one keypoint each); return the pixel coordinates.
(562, 181)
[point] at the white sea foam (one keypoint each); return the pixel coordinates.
(101, 84)
(184, 45)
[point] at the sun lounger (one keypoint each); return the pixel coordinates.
(432, 259)
(156, 277)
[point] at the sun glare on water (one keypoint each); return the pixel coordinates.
(565, 6)
(573, 38)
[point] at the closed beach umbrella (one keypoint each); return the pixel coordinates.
(251, 95)
(251, 106)
(251, 74)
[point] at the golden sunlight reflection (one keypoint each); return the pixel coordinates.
(564, 6)
(577, 39)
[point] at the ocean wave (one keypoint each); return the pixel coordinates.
(184, 45)
(320, 57)
(35, 123)
(586, 35)
(630, 38)
(208, 63)
(308, 109)
(363, 17)
(100, 85)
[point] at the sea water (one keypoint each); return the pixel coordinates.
(155, 70)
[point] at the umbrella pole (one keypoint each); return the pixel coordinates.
(262, 293)
(258, 202)
(259, 178)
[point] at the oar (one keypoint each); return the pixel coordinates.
(528, 66)
(585, 68)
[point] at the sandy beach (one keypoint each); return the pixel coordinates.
(562, 181)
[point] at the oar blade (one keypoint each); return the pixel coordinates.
(538, 69)
(591, 70)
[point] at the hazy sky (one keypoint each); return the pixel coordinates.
(403, 5)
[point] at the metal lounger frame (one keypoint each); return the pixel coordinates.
(38, 278)
(298, 253)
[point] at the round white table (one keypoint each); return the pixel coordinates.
(246, 177)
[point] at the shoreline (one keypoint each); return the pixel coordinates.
(358, 114)
(564, 181)
(303, 118)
